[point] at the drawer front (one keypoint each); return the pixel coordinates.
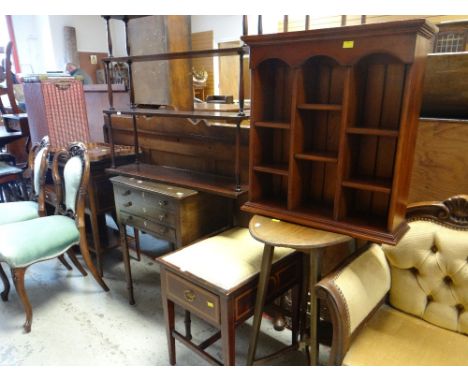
(199, 301)
(149, 226)
(141, 198)
(155, 207)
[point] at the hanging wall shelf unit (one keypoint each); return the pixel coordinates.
(333, 125)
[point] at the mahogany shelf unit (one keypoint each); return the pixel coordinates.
(233, 187)
(333, 125)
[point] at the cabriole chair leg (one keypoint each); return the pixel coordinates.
(18, 279)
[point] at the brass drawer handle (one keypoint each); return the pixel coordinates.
(189, 295)
(162, 217)
(162, 203)
(126, 193)
(128, 204)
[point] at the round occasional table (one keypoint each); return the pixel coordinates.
(312, 242)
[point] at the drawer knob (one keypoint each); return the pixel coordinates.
(126, 193)
(162, 217)
(162, 203)
(128, 204)
(189, 295)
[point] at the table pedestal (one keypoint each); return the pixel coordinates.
(312, 242)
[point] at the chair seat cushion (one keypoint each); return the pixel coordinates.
(25, 243)
(6, 169)
(18, 211)
(224, 260)
(393, 338)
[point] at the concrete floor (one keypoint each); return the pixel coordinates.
(76, 323)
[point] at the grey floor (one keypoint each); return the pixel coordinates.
(76, 323)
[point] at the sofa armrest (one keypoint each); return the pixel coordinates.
(352, 294)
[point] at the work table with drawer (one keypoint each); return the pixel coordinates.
(177, 215)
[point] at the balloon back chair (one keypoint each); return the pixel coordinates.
(51, 236)
(13, 212)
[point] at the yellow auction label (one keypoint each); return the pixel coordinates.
(210, 304)
(348, 44)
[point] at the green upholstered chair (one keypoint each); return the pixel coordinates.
(34, 207)
(50, 236)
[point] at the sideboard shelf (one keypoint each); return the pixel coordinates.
(180, 55)
(213, 115)
(218, 185)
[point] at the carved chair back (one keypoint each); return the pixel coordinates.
(429, 266)
(71, 184)
(37, 163)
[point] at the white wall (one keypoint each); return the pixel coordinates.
(34, 43)
(41, 44)
(229, 28)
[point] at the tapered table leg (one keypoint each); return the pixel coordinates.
(314, 276)
(260, 301)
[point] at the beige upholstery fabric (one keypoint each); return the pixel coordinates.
(72, 176)
(394, 338)
(363, 283)
(429, 269)
(224, 260)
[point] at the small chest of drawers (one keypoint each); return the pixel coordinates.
(165, 211)
(175, 214)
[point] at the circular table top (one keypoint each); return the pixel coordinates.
(279, 233)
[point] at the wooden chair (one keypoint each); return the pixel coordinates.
(14, 117)
(51, 236)
(405, 304)
(34, 207)
(15, 128)
(12, 186)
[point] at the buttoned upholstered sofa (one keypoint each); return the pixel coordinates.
(405, 304)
